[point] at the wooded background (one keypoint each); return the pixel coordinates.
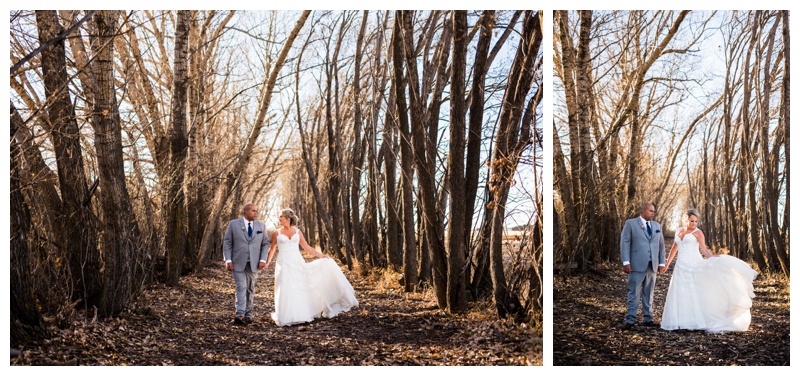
(403, 140)
(682, 109)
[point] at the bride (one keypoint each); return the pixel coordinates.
(712, 294)
(305, 291)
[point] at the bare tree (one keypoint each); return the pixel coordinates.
(120, 237)
(78, 237)
(515, 132)
(26, 320)
(406, 156)
(175, 209)
(457, 238)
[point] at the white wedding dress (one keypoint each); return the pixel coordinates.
(713, 294)
(305, 291)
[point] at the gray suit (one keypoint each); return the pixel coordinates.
(245, 252)
(644, 252)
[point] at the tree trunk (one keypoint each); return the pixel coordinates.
(357, 157)
(41, 191)
(394, 240)
(26, 320)
(78, 237)
(424, 275)
(120, 235)
(753, 248)
(481, 282)
(174, 205)
(406, 156)
(473, 162)
(457, 236)
(507, 149)
(783, 254)
(334, 166)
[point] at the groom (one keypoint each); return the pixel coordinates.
(245, 248)
(642, 248)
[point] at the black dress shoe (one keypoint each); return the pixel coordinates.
(239, 320)
(248, 319)
(627, 326)
(649, 324)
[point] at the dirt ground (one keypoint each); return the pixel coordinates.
(588, 312)
(191, 325)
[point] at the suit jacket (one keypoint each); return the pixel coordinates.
(237, 246)
(638, 248)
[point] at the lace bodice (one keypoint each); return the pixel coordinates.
(688, 249)
(293, 238)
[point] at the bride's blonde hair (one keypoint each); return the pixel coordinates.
(289, 214)
(690, 212)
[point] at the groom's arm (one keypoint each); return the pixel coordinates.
(625, 247)
(227, 245)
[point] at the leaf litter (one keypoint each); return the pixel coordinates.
(191, 324)
(588, 312)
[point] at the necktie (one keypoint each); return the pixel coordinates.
(649, 230)
(250, 230)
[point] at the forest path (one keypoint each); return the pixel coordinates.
(191, 324)
(588, 312)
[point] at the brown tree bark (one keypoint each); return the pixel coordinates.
(334, 177)
(40, 182)
(425, 145)
(508, 148)
(394, 240)
(457, 237)
(476, 104)
(120, 235)
(772, 249)
(573, 205)
(174, 205)
(26, 320)
(373, 212)
(748, 181)
(201, 100)
(406, 156)
(783, 255)
(78, 236)
(357, 158)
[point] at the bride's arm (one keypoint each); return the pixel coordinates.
(272, 245)
(703, 249)
(672, 252)
(308, 247)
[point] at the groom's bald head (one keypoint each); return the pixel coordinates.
(648, 211)
(249, 211)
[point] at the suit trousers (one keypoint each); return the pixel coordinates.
(640, 286)
(245, 291)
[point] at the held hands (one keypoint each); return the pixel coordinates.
(627, 269)
(229, 266)
(262, 265)
(662, 269)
